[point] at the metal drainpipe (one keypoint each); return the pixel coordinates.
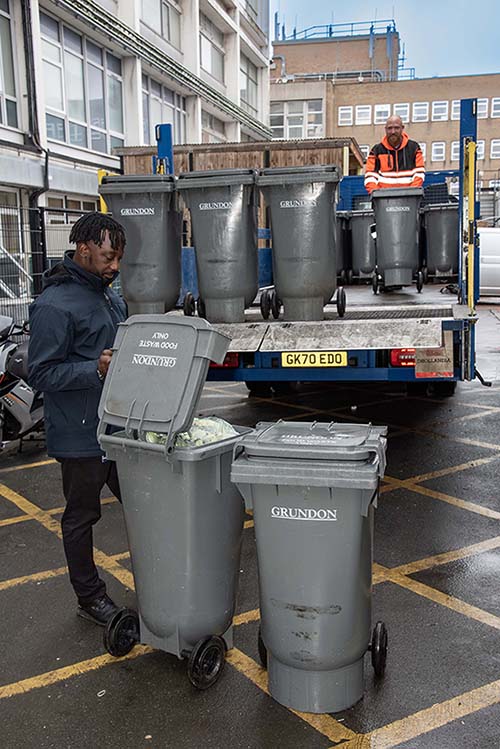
(38, 248)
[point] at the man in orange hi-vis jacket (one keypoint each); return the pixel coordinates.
(395, 162)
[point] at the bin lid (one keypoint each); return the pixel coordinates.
(216, 178)
(137, 183)
(439, 207)
(398, 192)
(298, 175)
(362, 213)
(157, 373)
(316, 441)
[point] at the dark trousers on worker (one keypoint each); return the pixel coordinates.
(83, 480)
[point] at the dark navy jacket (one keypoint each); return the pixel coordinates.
(71, 323)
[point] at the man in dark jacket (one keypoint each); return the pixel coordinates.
(73, 325)
(396, 161)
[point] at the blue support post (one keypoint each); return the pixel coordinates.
(163, 162)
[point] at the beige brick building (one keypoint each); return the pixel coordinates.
(349, 86)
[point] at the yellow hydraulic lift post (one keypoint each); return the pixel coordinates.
(100, 174)
(471, 216)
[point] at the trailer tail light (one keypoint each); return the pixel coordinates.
(231, 360)
(402, 357)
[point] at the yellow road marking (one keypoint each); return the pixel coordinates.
(429, 719)
(44, 518)
(462, 503)
(466, 417)
(246, 617)
(67, 672)
(248, 524)
(447, 556)
(35, 577)
(450, 602)
(324, 724)
(53, 511)
(14, 521)
(445, 471)
(28, 465)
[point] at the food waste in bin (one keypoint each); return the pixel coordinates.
(184, 517)
(313, 489)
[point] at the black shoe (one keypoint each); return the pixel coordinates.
(99, 611)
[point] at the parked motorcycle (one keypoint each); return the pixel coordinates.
(21, 408)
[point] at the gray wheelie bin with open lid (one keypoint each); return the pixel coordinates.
(146, 206)
(301, 203)
(223, 206)
(313, 488)
(184, 517)
(397, 227)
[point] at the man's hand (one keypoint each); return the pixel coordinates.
(104, 361)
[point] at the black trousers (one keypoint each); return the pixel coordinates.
(83, 479)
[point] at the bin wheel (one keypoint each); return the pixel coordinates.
(265, 304)
(342, 277)
(262, 650)
(341, 301)
(375, 284)
(121, 632)
(206, 662)
(275, 305)
(420, 281)
(425, 272)
(189, 305)
(202, 312)
(350, 276)
(379, 648)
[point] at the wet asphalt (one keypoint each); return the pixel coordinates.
(436, 586)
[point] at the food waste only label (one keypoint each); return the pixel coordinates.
(155, 351)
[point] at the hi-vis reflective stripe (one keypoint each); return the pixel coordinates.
(371, 179)
(408, 173)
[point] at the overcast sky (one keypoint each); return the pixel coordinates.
(441, 37)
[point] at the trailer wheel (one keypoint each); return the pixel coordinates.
(444, 389)
(258, 388)
(265, 304)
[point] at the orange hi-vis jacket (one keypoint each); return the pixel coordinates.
(395, 167)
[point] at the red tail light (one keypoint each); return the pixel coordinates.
(402, 357)
(231, 360)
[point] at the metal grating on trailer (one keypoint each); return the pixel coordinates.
(392, 314)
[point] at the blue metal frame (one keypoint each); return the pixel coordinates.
(163, 162)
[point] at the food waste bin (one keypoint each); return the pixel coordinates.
(363, 244)
(441, 239)
(146, 206)
(397, 227)
(313, 489)
(184, 518)
(301, 203)
(223, 207)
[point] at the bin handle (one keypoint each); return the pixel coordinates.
(128, 430)
(280, 421)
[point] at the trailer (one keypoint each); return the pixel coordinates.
(424, 340)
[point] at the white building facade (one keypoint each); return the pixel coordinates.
(79, 78)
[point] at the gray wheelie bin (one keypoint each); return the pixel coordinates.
(362, 243)
(313, 488)
(184, 518)
(441, 235)
(146, 206)
(397, 226)
(223, 206)
(301, 204)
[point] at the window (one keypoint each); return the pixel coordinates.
(495, 107)
(420, 111)
(161, 106)
(482, 109)
(423, 148)
(402, 110)
(8, 101)
(380, 113)
(480, 149)
(364, 114)
(365, 150)
(248, 85)
(211, 48)
(439, 111)
(438, 152)
(297, 119)
(164, 18)
(455, 109)
(455, 150)
(345, 116)
(83, 84)
(213, 129)
(495, 148)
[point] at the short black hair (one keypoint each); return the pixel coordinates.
(92, 227)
